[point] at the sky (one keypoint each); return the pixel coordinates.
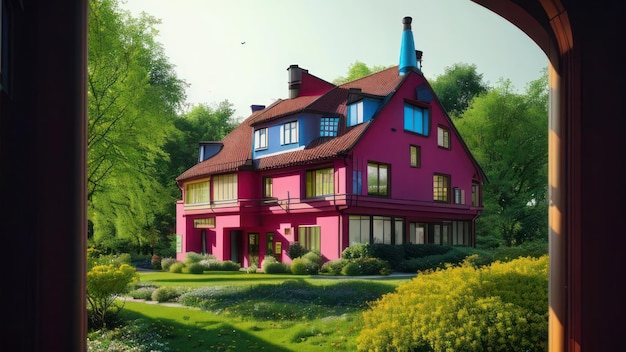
(239, 50)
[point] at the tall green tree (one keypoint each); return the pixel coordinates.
(133, 98)
(508, 134)
(358, 70)
(456, 88)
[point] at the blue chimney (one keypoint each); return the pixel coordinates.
(408, 54)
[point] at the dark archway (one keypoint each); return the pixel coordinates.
(43, 163)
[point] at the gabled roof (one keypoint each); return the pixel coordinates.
(237, 151)
(381, 83)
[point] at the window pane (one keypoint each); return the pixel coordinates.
(225, 187)
(359, 229)
(398, 230)
(320, 182)
(372, 179)
(382, 180)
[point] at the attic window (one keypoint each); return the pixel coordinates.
(355, 113)
(289, 133)
(416, 119)
(260, 139)
(328, 126)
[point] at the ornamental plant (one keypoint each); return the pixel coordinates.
(105, 283)
(501, 307)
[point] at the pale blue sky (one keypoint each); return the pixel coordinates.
(202, 38)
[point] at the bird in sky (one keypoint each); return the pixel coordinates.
(242, 43)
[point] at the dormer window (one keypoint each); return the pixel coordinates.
(289, 133)
(328, 126)
(355, 113)
(260, 139)
(416, 119)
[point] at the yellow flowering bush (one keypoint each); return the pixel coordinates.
(105, 283)
(502, 307)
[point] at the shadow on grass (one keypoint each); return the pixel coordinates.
(193, 330)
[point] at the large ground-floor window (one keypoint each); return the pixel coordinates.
(375, 229)
(310, 237)
(443, 233)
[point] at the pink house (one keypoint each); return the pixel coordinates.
(375, 160)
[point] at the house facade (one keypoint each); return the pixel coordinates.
(375, 160)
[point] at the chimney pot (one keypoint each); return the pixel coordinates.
(257, 107)
(295, 80)
(407, 23)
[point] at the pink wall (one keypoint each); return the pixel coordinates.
(408, 182)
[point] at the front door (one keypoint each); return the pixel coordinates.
(236, 248)
(253, 249)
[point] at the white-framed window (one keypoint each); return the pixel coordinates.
(289, 133)
(329, 126)
(443, 137)
(260, 139)
(225, 187)
(355, 113)
(197, 192)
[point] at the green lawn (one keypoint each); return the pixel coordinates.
(259, 312)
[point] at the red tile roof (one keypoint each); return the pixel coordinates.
(237, 151)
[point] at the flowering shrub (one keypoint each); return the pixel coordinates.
(104, 284)
(502, 307)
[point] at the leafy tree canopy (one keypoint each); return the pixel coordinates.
(458, 86)
(508, 134)
(358, 70)
(133, 98)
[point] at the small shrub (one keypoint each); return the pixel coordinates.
(167, 262)
(334, 267)
(358, 250)
(271, 266)
(351, 269)
(391, 253)
(165, 294)
(155, 262)
(193, 268)
(276, 268)
(193, 257)
(301, 266)
(229, 265)
(313, 256)
(252, 269)
(177, 267)
(143, 292)
(104, 284)
(296, 250)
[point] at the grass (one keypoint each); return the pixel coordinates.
(237, 311)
